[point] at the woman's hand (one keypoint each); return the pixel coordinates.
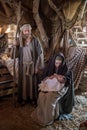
(55, 75)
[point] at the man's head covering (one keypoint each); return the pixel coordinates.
(26, 26)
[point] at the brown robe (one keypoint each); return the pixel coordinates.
(30, 57)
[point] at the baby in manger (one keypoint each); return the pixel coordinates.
(54, 82)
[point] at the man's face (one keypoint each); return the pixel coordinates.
(58, 63)
(26, 32)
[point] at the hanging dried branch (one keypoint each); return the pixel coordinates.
(7, 11)
(85, 3)
(2, 14)
(59, 34)
(57, 40)
(39, 22)
(57, 37)
(19, 14)
(57, 10)
(65, 44)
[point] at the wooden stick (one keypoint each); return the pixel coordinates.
(19, 16)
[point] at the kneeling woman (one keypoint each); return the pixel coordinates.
(56, 95)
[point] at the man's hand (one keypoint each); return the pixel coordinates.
(15, 42)
(36, 70)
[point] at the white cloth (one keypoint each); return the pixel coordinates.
(51, 85)
(10, 65)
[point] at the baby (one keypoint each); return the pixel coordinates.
(52, 83)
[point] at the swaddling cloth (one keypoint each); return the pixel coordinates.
(51, 85)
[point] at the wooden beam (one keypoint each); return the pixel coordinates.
(81, 32)
(82, 45)
(83, 38)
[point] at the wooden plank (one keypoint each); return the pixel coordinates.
(7, 92)
(5, 78)
(4, 71)
(80, 32)
(83, 38)
(6, 86)
(6, 82)
(81, 45)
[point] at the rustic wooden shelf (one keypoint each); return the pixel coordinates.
(6, 82)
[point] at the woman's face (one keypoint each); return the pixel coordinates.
(58, 63)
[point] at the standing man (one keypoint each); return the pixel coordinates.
(30, 61)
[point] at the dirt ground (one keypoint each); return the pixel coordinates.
(18, 118)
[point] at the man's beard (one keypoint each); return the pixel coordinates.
(25, 36)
